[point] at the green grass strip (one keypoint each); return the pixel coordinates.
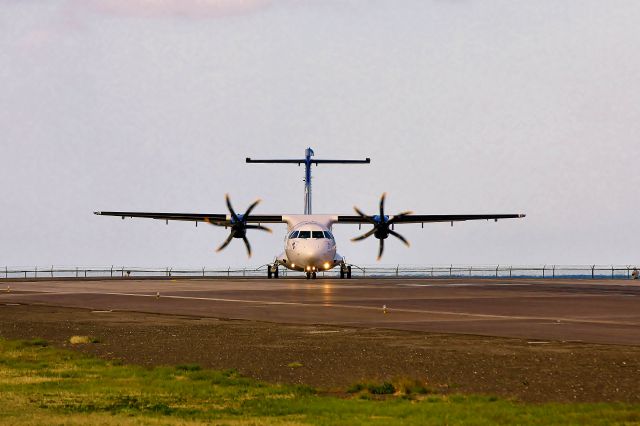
(44, 385)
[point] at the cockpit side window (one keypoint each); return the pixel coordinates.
(328, 235)
(317, 234)
(294, 234)
(304, 234)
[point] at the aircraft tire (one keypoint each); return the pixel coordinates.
(348, 272)
(308, 275)
(268, 272)
(313, 275)
(276, 273)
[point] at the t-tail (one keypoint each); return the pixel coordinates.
(308, 161)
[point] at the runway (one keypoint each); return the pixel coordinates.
(594, 311)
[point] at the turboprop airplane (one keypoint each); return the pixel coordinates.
(309, 245)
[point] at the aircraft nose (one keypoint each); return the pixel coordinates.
(312, 255)
(310, 258)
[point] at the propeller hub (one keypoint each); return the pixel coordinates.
(381, 233)
(239, 219)
(380, 219)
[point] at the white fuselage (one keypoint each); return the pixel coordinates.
(309, 245)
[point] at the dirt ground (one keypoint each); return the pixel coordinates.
(333, 358)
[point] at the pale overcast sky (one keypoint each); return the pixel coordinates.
(464, 106)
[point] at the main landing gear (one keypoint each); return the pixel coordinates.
(272, 271)
(345, 270)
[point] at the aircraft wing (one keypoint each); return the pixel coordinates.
(428, 218)
(216, 218)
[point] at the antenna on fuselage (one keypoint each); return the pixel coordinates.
(308, 161)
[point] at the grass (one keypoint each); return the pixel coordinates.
(44, 385)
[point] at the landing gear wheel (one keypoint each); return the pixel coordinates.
(345, 271)
(313, 275)
(272, 271)
(308, 275)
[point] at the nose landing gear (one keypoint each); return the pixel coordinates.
(311, 275)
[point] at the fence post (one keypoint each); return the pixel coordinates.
(451, 271)
(111, 271)
(593, 273)
(51, 271)
(35, 272)
(470, 269)
(364, 272)
(497, 267)
(612, 273)
(6, 272)
(203, 272)
(510, 270)
(122, 271)
(228, 271)
(244, 271)
(397, 269)
(543, 268)
(554, 271)
(76, 272)
(628, 276)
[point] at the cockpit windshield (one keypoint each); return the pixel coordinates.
(308, 234)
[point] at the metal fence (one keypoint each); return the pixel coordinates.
(433, 271)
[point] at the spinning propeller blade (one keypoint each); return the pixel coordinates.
(381, 226)
(239, 226)
(226, 242)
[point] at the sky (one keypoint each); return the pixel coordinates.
(463, 106)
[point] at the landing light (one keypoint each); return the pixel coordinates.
(293, 265)
(326, 265)
(308, 268)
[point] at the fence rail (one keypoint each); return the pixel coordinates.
(435, 271)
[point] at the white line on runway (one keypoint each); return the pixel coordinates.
(463, 285)
(371, 308)
(360, 307)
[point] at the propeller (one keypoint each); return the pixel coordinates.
(381, 226)
(239, 226)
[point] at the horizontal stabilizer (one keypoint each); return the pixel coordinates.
(311, 161)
